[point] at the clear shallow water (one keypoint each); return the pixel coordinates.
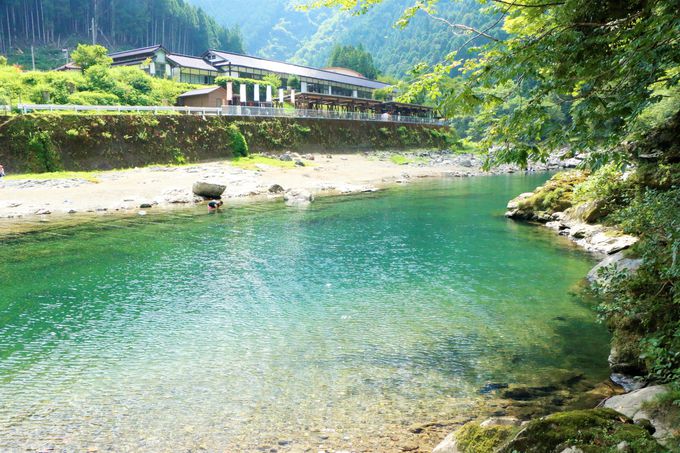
(337, 326)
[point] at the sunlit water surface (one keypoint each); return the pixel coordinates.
(264, 326)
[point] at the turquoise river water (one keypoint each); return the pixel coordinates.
(335, 326)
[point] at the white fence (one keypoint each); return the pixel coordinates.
(231, 110)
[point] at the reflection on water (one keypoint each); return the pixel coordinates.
(337, 326)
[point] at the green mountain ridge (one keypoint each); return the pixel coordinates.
(276, 29)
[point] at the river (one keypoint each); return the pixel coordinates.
(266, 327)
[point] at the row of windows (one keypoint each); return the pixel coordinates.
(205, 77)
(197, 79)
(313, 85)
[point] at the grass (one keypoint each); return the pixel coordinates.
(251, 162)
(90, 176)
(466, 146)
(400, 159)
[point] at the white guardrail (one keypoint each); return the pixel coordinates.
(231, 110)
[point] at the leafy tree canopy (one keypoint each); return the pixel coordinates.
(86, 56)
(356, 58)
(603, 63)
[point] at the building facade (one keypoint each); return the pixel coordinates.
(203, 70)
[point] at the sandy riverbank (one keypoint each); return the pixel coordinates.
(28, 202)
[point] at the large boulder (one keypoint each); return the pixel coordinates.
(588, 212)
(633, 405)
(208, 190)
(515, 212)
(619, 260)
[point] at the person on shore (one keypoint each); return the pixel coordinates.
(2, 171)
(214, 205)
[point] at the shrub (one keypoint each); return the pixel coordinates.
(99, 78)
(650, 296)
(239, 145)
(43, 155)
(93, 98)
(605, 185)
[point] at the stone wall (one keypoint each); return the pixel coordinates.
(47, 142)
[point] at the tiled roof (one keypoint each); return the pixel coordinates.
(191, 62)
(288, 68)
(199, 92)
(135, 52)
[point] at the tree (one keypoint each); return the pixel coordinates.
(356, 58)
(602, 62)
(87, 56)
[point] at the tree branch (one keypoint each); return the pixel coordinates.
(462, 27)
(525, 5)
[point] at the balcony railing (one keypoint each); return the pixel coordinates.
(231, 110)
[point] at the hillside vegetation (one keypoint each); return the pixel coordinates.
(97, 85)
(276, 29)
(51, 25)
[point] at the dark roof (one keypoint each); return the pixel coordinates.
(135, 52)
(70, 66)
(199, 92)
(334, 98)
(289, 68)
(408, 106)
(191, 62)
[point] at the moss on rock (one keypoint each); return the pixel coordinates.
(556, 195)
(593, 431)
(474, 438)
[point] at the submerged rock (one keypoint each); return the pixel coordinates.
(208, 190)
(298, 197)
(628, 383)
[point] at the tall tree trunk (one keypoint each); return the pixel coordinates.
(9, 28)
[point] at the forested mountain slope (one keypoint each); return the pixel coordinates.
(273, 28)
(118, 24)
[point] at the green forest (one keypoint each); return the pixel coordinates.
(276, 29)
(356, 58)
(51, 25)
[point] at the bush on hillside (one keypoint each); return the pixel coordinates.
(93, 98)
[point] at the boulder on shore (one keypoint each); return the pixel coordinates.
(633, 405)
(208, 190)
(276, 188)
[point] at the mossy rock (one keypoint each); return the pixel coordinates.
(556, 195)
(474, 438)
(593, 431)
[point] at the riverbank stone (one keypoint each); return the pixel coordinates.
(208, 190)
(276, 188)
(633, 405)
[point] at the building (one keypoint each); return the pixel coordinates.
(338, 89)
(338, 82)
(203, 97)
(203, 70)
